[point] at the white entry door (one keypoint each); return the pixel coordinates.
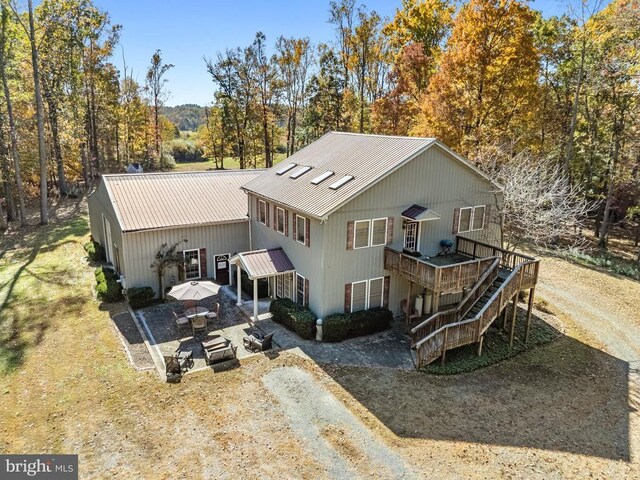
(411, 231)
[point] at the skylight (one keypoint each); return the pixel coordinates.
(286, 168)
(300, 172)
(321, 178)
(341, 182)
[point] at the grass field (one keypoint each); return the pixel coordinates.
(229, 164)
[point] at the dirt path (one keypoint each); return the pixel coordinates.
(601, 304)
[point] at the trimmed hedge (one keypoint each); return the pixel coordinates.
(109, 290)
(140, 297)
(95, 251)
(295, 317)
(340, 326)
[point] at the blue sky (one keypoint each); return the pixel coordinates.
(188, 29)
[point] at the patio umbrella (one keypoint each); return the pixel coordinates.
(194, 291)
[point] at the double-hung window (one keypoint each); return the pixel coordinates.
(283, 285)
(361, 234)
(301, 229)
(300, 290)
(191, 264)
(280, 222)
(367, 294)
(262, 212)
(378, 232)
(359, 296)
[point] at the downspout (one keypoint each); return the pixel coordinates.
(249, 215)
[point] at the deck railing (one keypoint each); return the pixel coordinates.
(463, 332)
(437, 278)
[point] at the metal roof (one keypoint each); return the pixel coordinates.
(420, 213)
(144, 201)
(264, 263)
(368, 158)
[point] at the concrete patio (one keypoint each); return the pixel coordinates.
(388, 349)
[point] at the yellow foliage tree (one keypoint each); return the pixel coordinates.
(485, 90)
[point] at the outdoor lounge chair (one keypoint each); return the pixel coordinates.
(217, 350)
(258, 343)
(199, 324)
(177, 364)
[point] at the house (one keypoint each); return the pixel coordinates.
(204, 212)
(348, 223)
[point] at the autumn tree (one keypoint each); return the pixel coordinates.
(485, 89)
(155, 86)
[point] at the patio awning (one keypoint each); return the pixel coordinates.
(418, 213)
(264, 263)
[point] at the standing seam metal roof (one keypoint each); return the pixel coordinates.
(145, 201)
(264, 263)
(366, 157)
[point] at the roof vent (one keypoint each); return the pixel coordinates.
(322, 178)
(299, 173)
(341, 182)
(286, 168)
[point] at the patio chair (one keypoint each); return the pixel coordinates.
(199, 324)
(258, 343)
(181, 320)
(214, 313)
(177, 364)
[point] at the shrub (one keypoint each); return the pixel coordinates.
(109, 290)
(340, 326)
(295, 317)
(95, 251)
(167, 162)
(140, 297)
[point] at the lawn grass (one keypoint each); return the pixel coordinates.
(230, 163)
(495, 347)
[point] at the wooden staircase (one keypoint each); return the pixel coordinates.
(480, 307)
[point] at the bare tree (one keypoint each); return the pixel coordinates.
(537, 203)
(155, 84)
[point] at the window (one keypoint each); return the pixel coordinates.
(465, 219)
(285, 169)
(378, 232)
(411, 236)
(471, 218)
(341, 182)
(280, 224)
(322, 178)
(478, 217)
(300, 289)
(376, 286)
(361, 239)
(301, 230)
(359, 296)
(262, 212)
(299, 173)
(283, 285)
(191, 264)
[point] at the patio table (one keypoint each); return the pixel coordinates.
(195, 312)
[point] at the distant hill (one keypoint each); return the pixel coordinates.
(186, 117)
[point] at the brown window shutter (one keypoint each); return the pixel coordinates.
(181, 275)
(487, 215)
(456, 221)
(267, 208)
(385, 292)
(389, 231)
(306, 292)
(347, 298)
(350, 226)
(286, 223)
(275, 217)
(257, 213)
(295, 226)
(307, 233)
(203, 263)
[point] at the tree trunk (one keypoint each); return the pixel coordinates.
(44, 212)
(55, 140)
(85, 166)
(568, 153)
(13, 134)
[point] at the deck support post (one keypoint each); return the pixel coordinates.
(532, 293)
(408, 316)
(435, 302)
(504, 319)
(444, 346)
(513, 319)
(480, 345)
(238, 283)
(255, 300)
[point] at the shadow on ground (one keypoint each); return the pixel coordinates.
(564, 396)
